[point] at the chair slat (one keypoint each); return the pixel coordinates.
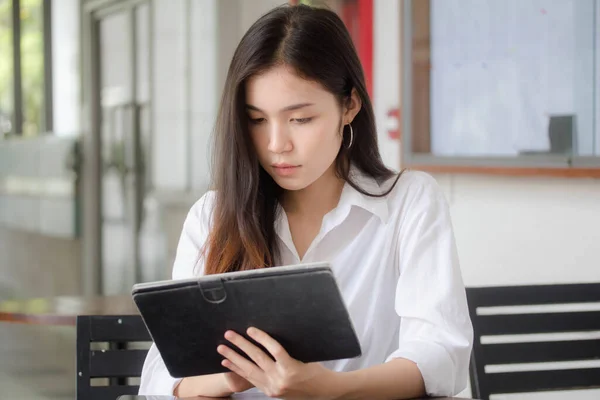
(117, 363)
(533, 295)
(535, 381)
(513, 353)
(537, 323)
(126, 328)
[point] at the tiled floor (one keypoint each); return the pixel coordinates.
(37, 362)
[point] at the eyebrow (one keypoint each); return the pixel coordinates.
(288, 108)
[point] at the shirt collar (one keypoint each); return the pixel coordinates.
(351, 197)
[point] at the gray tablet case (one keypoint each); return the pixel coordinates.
(300, 306)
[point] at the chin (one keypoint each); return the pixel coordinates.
(291, 185)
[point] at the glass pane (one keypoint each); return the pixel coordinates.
(6, 68)
(32, 66)
(119, 241)
(512, 77)
(142, 77)
(142, 48)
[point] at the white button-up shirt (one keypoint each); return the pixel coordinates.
(396, 264)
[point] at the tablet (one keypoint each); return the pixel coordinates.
(298, 305)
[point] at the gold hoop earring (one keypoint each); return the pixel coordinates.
(351, 136)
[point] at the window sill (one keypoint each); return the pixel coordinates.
(573, 172)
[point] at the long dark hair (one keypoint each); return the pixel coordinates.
(316, 44)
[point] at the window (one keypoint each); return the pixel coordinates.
(25, 67)
(504, 85)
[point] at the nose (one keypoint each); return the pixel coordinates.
(279, 139)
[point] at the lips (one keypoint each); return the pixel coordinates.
(285, 169)
(284, 165)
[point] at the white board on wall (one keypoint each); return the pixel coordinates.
(500, 69)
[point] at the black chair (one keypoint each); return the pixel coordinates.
(484, 383)
(117, 362)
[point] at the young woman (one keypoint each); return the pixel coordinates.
(298, 178)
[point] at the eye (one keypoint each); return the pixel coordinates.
(257, 121)
(302, 120)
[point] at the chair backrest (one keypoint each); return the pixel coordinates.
(116, 361)
(566, 336)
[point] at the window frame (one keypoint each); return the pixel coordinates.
(554, 165)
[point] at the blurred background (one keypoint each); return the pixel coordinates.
(107, 108)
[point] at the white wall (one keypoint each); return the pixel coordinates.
(386, 74)
(250, 11)
(525, 230)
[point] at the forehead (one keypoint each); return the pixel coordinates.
(281, 86)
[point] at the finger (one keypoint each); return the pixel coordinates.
(272, 345)
(234, 368)
(257, 355)
(248, 368)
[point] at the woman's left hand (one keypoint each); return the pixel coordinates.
(284, 377)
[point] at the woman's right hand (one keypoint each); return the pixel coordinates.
(236, 383)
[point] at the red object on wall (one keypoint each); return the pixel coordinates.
(358, 18)
(365, 9)
(393, 123)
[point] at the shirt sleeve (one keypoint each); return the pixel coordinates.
(155, 379)
(435, 328)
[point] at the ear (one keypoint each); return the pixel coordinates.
(351, 107)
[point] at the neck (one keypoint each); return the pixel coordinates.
(318, 198)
